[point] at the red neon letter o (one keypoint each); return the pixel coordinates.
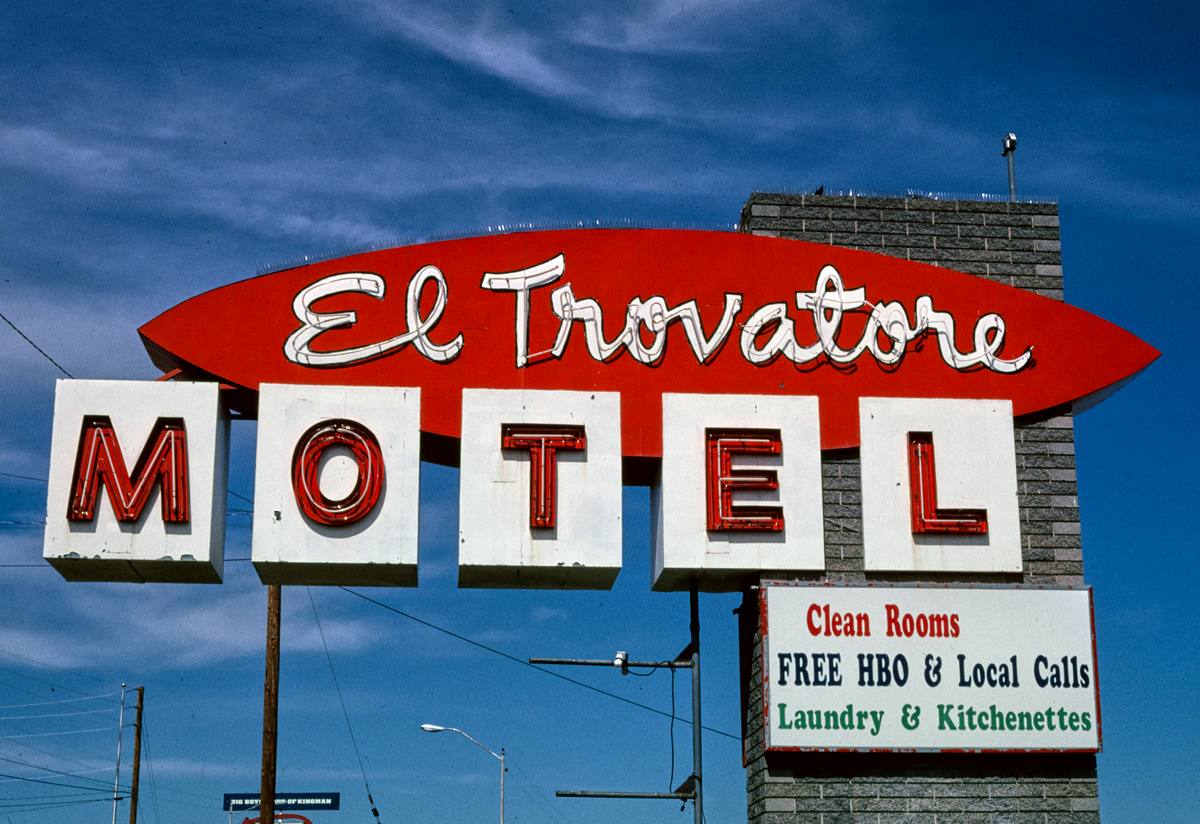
(306, 470)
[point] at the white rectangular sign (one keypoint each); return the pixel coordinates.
(924, 668)
(137, 482)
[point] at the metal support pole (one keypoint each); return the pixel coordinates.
(266, 800)
(502, 771)
(1010, 151)
(137, 759)
(117, 774)
(698, 803)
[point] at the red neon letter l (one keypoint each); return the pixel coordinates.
(927, 517)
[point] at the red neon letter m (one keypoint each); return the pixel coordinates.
(100, 462)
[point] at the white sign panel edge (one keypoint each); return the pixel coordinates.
(498, 545)
(100, 548)
(380, 548)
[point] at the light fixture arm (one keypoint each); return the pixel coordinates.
(499, 756)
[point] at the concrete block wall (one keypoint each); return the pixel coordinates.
(1016, 244)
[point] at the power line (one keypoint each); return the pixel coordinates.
(25, 799)
(46, 481)
(48, 806)
(24, 477)
(241, 496)
(12, 686)
(525, 663)
(48, 665)
(83, 775)
(51, 783)
(150, 772)
(342, 701)
(533, 797)
(42, 681)
(40, 350)
(56, 701)
(27, 745)
(47, 734)
(53, 715)
(541, 793)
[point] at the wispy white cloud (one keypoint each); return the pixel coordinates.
(155, 627)
(48, 152)
(482, 43)
(545, 62)
(544, 614)
(663, 27)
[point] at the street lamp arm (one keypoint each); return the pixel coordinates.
(499, 756)
(466, 735)
(476, 742)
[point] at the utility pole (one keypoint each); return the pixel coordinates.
(697, 773)
(266, 799)
(137, 758)
(502, 771)
(117, 774)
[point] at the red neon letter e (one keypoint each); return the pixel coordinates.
(722, 480)
(927, 518)
(543, 442)
(100, 462)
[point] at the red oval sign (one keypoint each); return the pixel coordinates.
(645, 312)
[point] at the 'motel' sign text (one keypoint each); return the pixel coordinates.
(542, 363)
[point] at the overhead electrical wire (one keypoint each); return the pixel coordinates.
(25, 799)
(40, 662)
(56, 783)
(541, 794)
(51, 684)
(150, 771)
(241, 496)
(525, 663)
(672, 716)
(68, 670)
(23, 477)
(49, 734)
(533, 797)
(28, 745)
(39, 807)
(40, 350)
(342, 701)
(15, 688)
(54, 715)
(102, 784)
(80, 775)
(56, 701)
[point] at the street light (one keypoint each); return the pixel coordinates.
(473, 740)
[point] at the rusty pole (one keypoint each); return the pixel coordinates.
(137, 758)
(266, 800)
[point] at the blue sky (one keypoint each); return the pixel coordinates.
(149, 151)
